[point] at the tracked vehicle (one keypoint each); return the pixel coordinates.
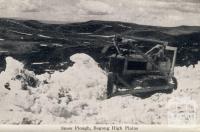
(132, 71)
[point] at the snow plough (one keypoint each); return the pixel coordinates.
(132, 71)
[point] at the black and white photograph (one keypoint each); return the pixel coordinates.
(100, 62)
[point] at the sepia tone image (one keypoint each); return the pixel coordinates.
(100, 62)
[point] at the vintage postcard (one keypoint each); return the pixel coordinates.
(99, 65)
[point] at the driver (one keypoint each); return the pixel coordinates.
(160, 55)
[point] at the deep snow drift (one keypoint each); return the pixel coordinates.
(78, 95)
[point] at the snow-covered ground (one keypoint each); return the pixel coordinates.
(78, 95)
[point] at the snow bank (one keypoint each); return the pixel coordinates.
(84, 80)
(50, 96)
(77, 95)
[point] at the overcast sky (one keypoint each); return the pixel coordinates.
(150, 12)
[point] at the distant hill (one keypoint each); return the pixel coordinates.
(172, 34)
(33, 41)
